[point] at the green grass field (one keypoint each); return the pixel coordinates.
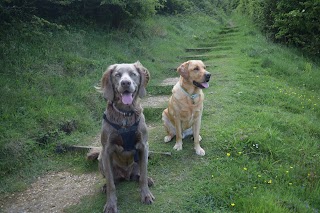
(260, 126)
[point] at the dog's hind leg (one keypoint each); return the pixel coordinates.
(170, 129)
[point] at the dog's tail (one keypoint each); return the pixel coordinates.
(94, 153)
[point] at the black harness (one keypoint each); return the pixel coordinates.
(128, 135)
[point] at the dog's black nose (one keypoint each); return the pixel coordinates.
(208, 75)
(125, 83)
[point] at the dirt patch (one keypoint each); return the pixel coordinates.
(155, 101)
(169, 81)
(52, 193)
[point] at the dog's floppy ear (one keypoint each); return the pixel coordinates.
(183, 70)
(106, 84)
(144, 76)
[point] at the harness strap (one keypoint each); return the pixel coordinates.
(127, 134)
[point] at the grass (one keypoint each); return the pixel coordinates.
(260, 129)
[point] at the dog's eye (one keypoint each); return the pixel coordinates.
(197, 68)
(117, 75)
(133, 74)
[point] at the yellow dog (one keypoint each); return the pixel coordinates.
(183, 115)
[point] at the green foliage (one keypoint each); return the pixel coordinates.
(175, 6)
(290, 22)
(209, 7)
(298, 23)
(112, 13)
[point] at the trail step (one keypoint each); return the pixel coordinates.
(199, 49)
(170, 81)
(228, 30)
(230, 27)
(203, 56)
(217, 43)
(222, 37)
(195, 56)
(155, 101)
(175, 69)
(207, 49)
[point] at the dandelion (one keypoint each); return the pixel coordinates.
(239, 153)
(269, 181)
(245, 168)
(228, 154)
(233, 204)
(290, 184)
(259, 176)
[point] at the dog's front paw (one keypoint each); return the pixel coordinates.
(147, 197)
(110, 207)
(167, 139)
(200, 151)
(178, 146)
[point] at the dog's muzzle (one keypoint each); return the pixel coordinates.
(205, 83)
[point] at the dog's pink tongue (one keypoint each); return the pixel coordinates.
(127, 98)
(205, 84)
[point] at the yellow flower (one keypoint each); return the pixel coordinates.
(254, 187)
(239, 153)
(269, 181)
(287, 172)
(245, 168)
(228, 154)
(290, 184)
(259, 176)
(233, 204)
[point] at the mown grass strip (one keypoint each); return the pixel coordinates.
(159, 90)
(153, 114)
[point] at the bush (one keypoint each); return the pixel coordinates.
(290, 22)
(112, 13)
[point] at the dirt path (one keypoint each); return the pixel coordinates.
(52, 193)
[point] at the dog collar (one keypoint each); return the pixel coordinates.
(124, 113)
(193, 96)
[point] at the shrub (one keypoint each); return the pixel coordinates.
(290, 22)
(113, 13)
